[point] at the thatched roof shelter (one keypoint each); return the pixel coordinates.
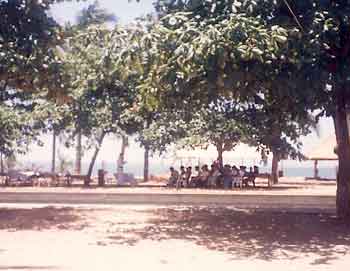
(323, 152)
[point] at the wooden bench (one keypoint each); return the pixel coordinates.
(71, 177)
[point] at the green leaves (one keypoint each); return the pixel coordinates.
(191, 58)
(28, 36)
(100, 87)
(16, 130)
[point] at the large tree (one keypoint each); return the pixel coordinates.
(100, 90)
(325, 64)
(220, 124)
(272, 128)
(201, 61)
(92, 15)
(316, 51)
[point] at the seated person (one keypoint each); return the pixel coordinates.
(237, 179)
(203, 178)
(188, 176)
(174, 177)
(249, 177)
(227, 177)
(242, 171)
(182, 178)
(256, 171)
(249, 173)
(214, 175)
(196, 179)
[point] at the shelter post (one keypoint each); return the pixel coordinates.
(316, 176)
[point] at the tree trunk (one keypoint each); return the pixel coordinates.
(220, 151)
(274, 169)
(53, 161)
(146, 164)
(121, 159)
(316, 176)
(78, 154)
(343, 151)
(94, 156)
(1, 163)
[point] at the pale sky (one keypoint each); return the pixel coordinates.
(126, 12)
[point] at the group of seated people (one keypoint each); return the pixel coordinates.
(227, 176)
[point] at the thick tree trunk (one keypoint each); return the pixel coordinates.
(94, 156)
(220, 151)
(121, 159)
(274, 169)
(53, 161)
(146, 164)
(78, 154)
(343, 151)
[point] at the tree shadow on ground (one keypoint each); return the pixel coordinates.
(39, 219)
(20, 267)
(242, 234)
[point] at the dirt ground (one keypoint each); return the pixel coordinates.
(286, 186)
(37, 237)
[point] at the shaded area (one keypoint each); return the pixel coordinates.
(19, 267)
(39, 219)
(242, 234)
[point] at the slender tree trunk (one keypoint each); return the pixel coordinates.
(78, 154)
(3, 88)
(343, 151)
(94, 156)
(1, 163)
(146, 164)
(274, 169)
(53, 161)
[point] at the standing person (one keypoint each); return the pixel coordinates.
(174, 177)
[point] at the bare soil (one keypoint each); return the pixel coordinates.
(171, 238)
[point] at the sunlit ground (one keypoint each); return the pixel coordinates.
(168, 238)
